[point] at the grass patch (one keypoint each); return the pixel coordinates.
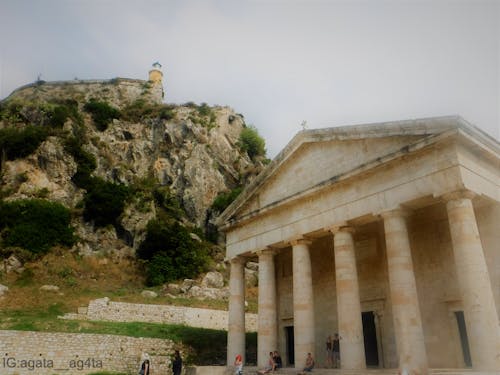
(205, 346)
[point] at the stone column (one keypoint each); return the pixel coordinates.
(352, 345)
(480, 312)
(405, 309)
(303, 302)
(267, 338)
(236, 318)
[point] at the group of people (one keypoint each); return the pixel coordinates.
(273, 363)
(176, 365)
(333, 351)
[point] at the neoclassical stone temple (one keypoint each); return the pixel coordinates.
(388, 234)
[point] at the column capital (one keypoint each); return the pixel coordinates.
(341, 227)
(458, 194)
(300, 241)
(395, 212)
(237, 260)
(267, 251)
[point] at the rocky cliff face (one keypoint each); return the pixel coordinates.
(194, 152)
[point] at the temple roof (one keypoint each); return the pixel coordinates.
(411, 134)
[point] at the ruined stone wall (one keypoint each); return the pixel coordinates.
(118, 92)
(44, 353)
(103, 309)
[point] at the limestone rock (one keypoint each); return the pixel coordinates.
(254, 266)
(12, 264)
(186, 285)
(213, 279)
(251, 278)
(194, 154)
(50, 288)
(3, 289)
(208, 293)
(195, 237)
(149, 294)
(172, 289)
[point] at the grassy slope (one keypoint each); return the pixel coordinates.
(25, 307)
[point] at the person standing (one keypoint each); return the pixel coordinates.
(336, 350)
(177, 363)
(238, 364)
(329, 351)
(144, 368)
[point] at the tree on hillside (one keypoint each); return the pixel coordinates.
(251, 142)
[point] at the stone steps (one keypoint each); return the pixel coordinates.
(324, 371)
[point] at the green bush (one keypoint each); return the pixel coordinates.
(170, 253)
(18, 143)
(102, 113)
(141, 109)
(35, 224)
(168, 202)
(251, 142)
(53, 113)
(104, 201)
(11, 111)
(64, 110)
(204, 109)
(225, 199)
(85, 161)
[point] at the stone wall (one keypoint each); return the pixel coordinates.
(44, 353)
(118, 91)
(104, 309)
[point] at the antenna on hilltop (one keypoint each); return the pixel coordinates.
(303, 124)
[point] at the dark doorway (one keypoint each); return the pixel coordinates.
(290, 345)
(462, 330)
(370, 336)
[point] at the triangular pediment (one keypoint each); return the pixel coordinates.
(314, 163)
(323, 156)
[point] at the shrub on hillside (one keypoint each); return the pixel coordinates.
(85, 161)
(35, 224)
(170, 253)
(225, 199)
(20, 142)
(251, 142)
(104, 201)
(167, 202)
(63, 110)
(141, 109)
(102, 113)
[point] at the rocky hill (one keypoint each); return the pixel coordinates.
(119, 132)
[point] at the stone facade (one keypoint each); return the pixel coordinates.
(384, 233)
(105, 310)
(43, 353)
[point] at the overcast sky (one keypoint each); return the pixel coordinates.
(330, 63)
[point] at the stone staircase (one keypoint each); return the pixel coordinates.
(324, 371)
